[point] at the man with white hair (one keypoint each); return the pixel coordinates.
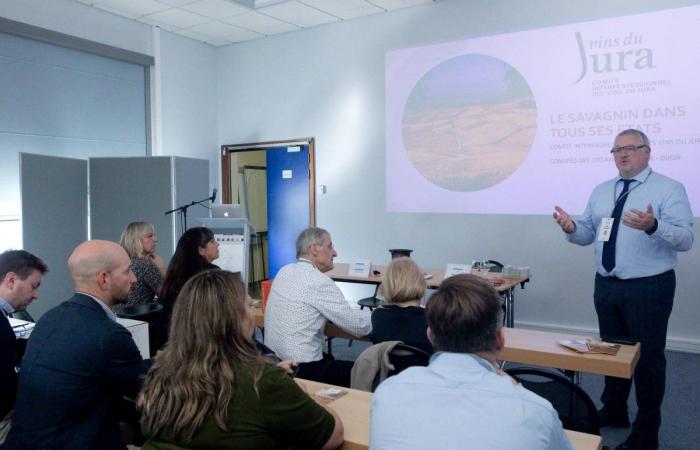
(302, 300)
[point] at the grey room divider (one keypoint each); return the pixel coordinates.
(54, 220)
(124, 190)
(54, 197)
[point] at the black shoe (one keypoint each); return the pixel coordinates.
(637, 444)
(607, 419)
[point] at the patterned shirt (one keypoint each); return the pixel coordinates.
(148, 281)
(302, 300)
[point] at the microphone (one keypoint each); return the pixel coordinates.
(213, 195)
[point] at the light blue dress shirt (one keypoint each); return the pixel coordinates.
(459, 401)
(5, 308)
(637, 253)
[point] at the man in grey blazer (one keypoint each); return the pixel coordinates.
(79, 361)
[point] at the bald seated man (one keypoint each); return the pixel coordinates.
(79, 361)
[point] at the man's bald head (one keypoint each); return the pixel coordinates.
(90, 264)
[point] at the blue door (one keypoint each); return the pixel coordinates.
(288, 209)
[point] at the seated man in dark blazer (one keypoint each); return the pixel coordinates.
(20, 277)
(79, 361)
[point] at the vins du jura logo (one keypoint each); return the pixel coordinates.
(610, 55)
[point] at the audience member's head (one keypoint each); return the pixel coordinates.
(139, 239)
(403, 282)
(315, 245)
(193, 376)
(465, 316)
(194, 253)
(20, 277)
(103, 270)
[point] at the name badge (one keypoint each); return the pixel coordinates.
(605, 229)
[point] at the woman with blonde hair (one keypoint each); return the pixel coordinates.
(139, 240)
(402, 318)
(209, 388)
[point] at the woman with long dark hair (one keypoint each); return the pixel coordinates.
(194, 253)
(209, 388)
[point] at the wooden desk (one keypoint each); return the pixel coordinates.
(340, 273)
(354, 410)
(505, 287)
(539, 348)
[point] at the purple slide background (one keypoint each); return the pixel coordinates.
(579, 110)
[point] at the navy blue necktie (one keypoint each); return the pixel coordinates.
(609, 245)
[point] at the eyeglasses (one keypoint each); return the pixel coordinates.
(626, 149)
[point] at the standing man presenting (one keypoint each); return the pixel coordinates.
(638, 221)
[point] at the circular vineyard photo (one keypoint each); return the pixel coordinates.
(469, 123)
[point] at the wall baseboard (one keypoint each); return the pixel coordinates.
(676, 344)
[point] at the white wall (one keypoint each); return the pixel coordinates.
(189, 101)
(188, 70)
(328, 82)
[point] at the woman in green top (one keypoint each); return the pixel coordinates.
(209, 388)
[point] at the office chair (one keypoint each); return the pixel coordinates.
(495, 266)
(575, 408)
(404, 356)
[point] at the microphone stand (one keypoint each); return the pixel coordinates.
(183, 210)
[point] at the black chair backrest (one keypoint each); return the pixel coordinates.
(495, 266)
(576, 410)
(404, 356)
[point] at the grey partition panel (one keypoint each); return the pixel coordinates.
(192, 184)
(54, 220)
(124, 190)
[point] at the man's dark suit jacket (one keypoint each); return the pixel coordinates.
(8, 361)
(77, 365)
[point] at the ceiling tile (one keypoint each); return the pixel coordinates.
(219, 42)
(218, 30)
(177, 18)
(191, 34)
(162, 25)
(260, 23)
(117, 12)
(176, 2)
(398, 4)
(345, 9)
(132, 8)
(215, 9)
(362, 11)
(298, 14)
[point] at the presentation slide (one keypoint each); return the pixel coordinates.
(519, 122)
